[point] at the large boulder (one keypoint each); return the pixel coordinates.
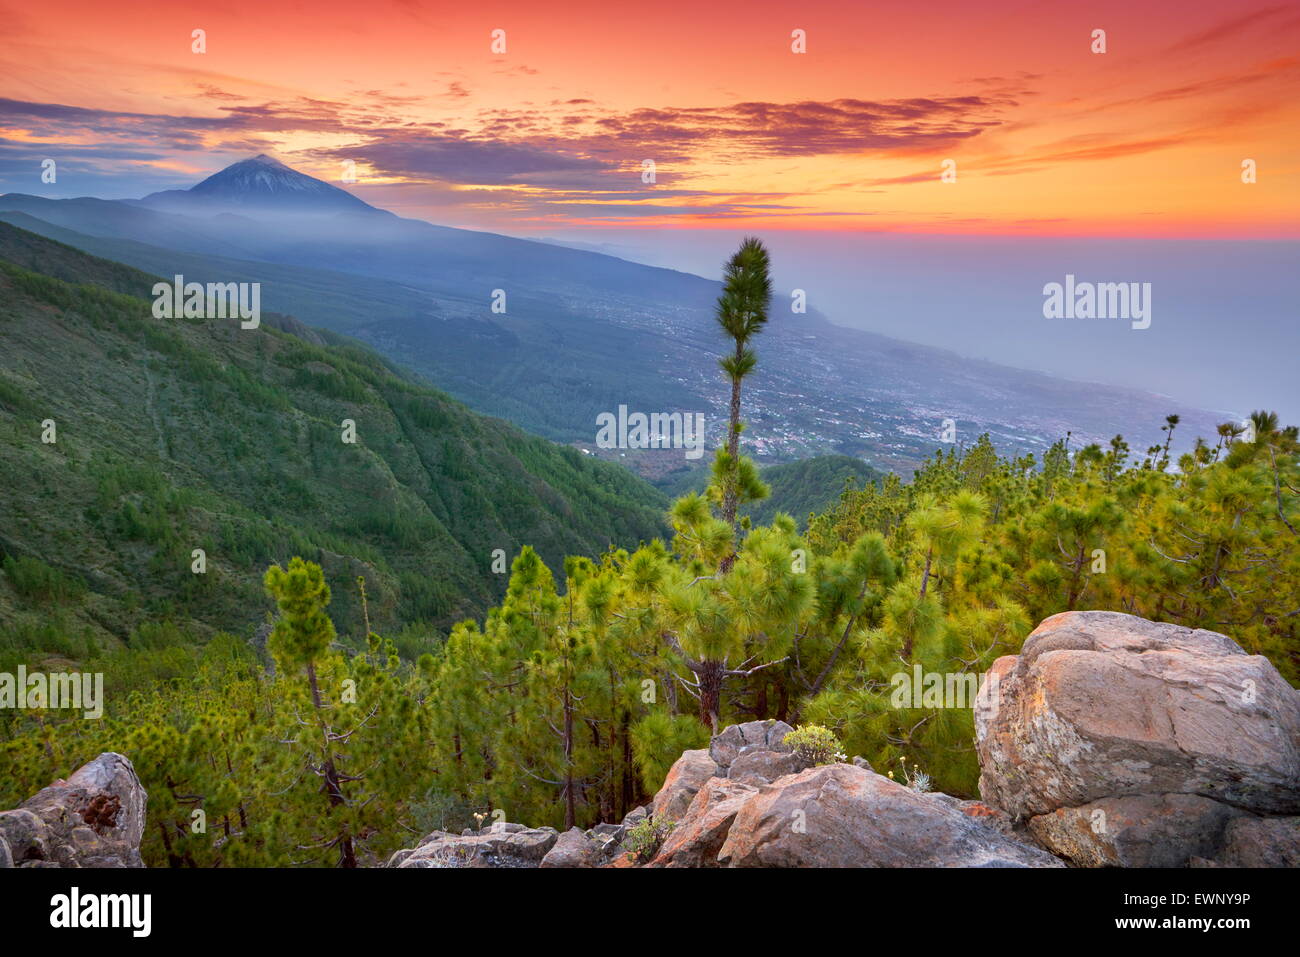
(685, 778)
(699, 835)
(840, 815)
(1101, 705)
(93, 819)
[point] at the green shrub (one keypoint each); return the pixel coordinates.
(645, 837)
(815, 744)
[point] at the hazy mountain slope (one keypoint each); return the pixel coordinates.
(585, 332)
(549, 367)
(333, 300)
(181, 434)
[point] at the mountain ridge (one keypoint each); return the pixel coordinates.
(584, 332)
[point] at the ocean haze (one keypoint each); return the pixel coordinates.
(1225, 330)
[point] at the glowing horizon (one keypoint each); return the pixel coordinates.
(1047, 137)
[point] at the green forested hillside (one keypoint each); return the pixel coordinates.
(570, 700)
(796, 488)
(567, 702)
(175, 435)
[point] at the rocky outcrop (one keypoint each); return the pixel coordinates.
(575, 848)
(1126, 742)
(1110, 741)
(764, 807)
(93, 819)
(685, 778)
(698, 837)
(501, 845)
(840, 815)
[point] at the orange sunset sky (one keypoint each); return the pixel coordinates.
(1146, 139)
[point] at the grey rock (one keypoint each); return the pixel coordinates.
(574, 848)
(496, 846)
(1164, 830)
(735, 740)
(1100, 705)
(95, 818)
(839, 815)
(1261, 842)
(764, 767)
(25, 834)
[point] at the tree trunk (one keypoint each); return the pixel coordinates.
(629, 783)
(731, 492)
(835, 653)
(172, 859)
(670, 689)
(711, 694)
(570, 808)
(1073, 596)
(333, 788)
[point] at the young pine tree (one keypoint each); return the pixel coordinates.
(300, 639)
(742, 313)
